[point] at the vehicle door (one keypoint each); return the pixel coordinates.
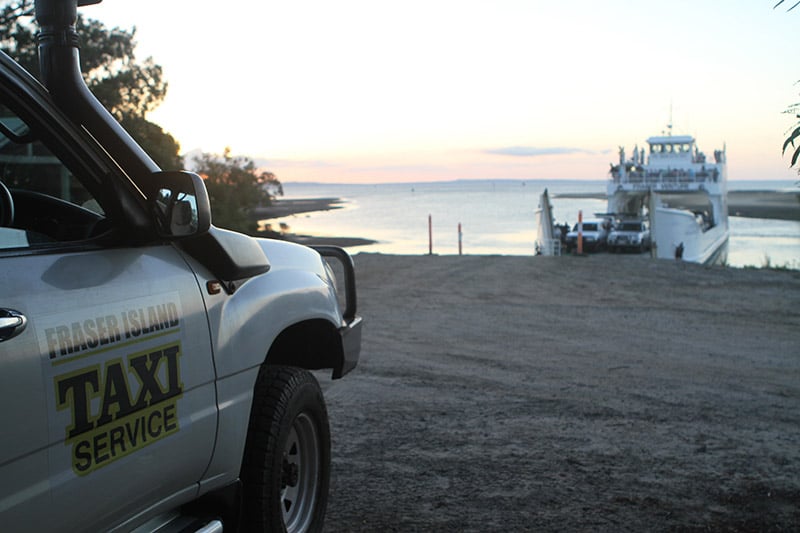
(106, 373)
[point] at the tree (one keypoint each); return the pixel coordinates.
(235, 189)
(160, 145)
(128, 88)
(781, 1)
(793, 109)
(16, 37)
(794, 136)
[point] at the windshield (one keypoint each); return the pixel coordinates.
(630, 226)
(587, 226)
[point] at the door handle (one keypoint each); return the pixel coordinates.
(12, 323)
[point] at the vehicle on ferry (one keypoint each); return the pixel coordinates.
(629, 235)
(593, 234)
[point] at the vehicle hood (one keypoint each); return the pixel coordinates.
(285, 255)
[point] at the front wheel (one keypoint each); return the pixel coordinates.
(286, 468)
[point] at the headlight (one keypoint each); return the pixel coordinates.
(331, 276)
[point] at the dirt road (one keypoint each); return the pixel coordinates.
(605, 393)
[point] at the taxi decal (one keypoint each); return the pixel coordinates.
(116, 379)
(71, 339)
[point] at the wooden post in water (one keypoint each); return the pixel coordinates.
(459, 238)
(430, 235)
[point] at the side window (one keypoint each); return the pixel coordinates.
(41, 201)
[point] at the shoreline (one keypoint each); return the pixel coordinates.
(763, 204)
(288, 208)
(778, 205)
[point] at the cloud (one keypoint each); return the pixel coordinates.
(533, 151)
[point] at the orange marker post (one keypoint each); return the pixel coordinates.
(580, 232)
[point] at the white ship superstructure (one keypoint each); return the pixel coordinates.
(683, 195)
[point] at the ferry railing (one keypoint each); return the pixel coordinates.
(667, 176)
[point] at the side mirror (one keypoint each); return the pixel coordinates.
(179, 203)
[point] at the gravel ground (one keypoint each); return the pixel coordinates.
(602, 393)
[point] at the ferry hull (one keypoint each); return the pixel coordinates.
(677, 235)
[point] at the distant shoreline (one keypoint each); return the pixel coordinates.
(287, 208)
(764, 204)
(777, 205)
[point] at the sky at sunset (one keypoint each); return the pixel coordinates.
(379, 91)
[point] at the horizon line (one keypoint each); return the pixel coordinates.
(513, 180)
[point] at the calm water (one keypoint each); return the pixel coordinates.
(497, 217)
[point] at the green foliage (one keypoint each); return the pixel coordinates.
(128, 88)
(794, 137)
(794, 264)
(781, 1)
(17, 38)
(793, 109)
(236, 189)
(160, 145)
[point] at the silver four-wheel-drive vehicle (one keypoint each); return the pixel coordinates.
(629, 234)
(593, 232)
(154, 369)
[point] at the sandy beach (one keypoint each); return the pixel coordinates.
(601, 393)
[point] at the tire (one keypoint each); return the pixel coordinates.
(286, 467)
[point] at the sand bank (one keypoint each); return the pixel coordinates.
(764, 204)
(285, 208)
(783, 205)
(601, 393)
(282, 209)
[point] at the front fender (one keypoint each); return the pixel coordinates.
(244, 326)
(296, 289)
